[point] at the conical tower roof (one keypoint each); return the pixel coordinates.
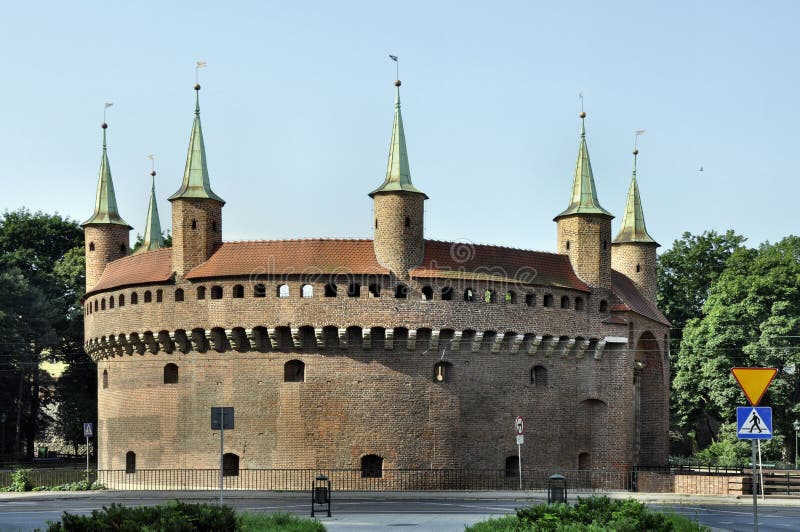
(152, 228)
(105, 204)
(196, 184)
(584, 194)
(633, 228)
(398, 175)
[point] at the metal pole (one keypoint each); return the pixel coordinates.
(755, 489)
(796, 452)
(87, 459)
(519, 455)
(221, 447)
(760, 471)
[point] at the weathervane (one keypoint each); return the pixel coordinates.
(580, 97)
(152, 167)
(105, 108)
(396, 66)
(197, 66)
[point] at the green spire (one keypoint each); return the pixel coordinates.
(633, 228)
(196, 184)
(398, 175)
(584, 194)
(105, 204)
(152, 228)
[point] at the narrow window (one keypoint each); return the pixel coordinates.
(230, 465)
(441, 372)
(584, 462)
(294, 371)
(488, 296)
(638, 268)
(376, 223)
(603, 305)
(179, 295)
(567, 245)
(375, 290)
(530, 300)
(103, 304)
(216, 292)
(578, 303)
(170, 374)
(512, 466)
(401, 292)
(159, 295)
(122, 300)
(354, 290)
(96, 306)
(427, 293)
(511, 297)
(307, 291)
(371, 466)
(111, 302)
(331, 290)
(408, 222)
(130, 462)
(539, 376)
(194, 224)
(122, 248)
(469, 295)
(564, 302)
(201, 292)
(283, 290)
(91, 246)
(148, 296)
(259, 290)
(105, 379)
(238, 291)
(605, 244)
(447, 293)
(134, 298)
(548, 300)
(214, 226)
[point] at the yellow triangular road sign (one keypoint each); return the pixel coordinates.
(754, 381)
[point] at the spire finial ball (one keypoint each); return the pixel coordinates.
(636, 152)
(197, 86)
(397, 83)
(104, 125)
(582, 115)
(153, 173)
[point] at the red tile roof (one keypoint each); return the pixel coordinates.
(142, 268)
(290, 257)
(466, 260)
(632, 300)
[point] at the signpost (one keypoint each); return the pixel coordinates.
(221, 418)
(519, 429)
(88, 433)
(753, 422)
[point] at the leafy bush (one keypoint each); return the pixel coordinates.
(599, 514)
(279, 522)
(174, 516)
(21, 480)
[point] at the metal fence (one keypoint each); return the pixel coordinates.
(50, 477)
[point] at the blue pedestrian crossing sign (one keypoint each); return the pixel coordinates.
(754, 422)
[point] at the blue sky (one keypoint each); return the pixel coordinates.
(297, 110)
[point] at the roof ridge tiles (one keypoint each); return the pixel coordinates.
(495, 246)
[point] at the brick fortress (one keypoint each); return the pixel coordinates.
(396, 352)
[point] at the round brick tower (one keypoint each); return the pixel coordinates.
(634, 250)
(106, 234)
(196, 210)
(399, 208)
(584, 228)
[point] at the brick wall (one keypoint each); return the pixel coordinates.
(587, 241)
(397, 247)
(196, 232)
(109, 242)
(637, 262)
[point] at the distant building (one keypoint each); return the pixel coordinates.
(395, 352)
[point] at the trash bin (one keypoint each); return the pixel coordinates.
(321, 493)
(556, 489)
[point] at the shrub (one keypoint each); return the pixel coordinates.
(593, 514)
(174, 516)
(21, 480)
(279, 522)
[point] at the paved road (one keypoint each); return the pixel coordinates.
(418, 511)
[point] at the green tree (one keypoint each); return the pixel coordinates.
(166, 236)
(751, 318)
(42, 318)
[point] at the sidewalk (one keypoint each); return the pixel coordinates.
(538, 496)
